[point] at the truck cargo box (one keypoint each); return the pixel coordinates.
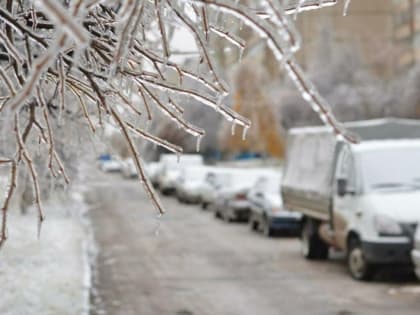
(311, 154)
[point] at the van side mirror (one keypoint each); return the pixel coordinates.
(341, 187)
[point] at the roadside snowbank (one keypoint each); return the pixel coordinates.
(50, 275)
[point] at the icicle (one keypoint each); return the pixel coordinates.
(346, 7)
(178, 157)
(233, 128)
(315, 108)
(60, 120)
(241, 52)
(51, 187)
(38, 232)
(148, 124)
(157, 229)
(219, 100)
(198, 143)
(39, 145)
(299, 7)
(129, 88)
(306, 96)
(244, 131)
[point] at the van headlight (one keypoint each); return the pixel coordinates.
(386, 226)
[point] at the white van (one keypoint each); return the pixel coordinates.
(361, 198)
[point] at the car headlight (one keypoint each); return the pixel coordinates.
(386, 226)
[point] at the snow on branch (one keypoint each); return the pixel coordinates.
(113, 62)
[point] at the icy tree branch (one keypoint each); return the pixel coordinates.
(112, 62)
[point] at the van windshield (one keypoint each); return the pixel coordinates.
(387, 169)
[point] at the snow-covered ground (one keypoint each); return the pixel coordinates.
(50, 275)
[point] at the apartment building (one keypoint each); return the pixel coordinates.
(368, 27)
(407, 33)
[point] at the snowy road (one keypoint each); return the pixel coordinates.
(190, 263)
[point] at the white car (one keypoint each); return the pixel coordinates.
(171, 170)
(268, 214)
(189, 182)
(153, 170)
(111, 165)
(167, 180)
(128, 168)
(208, 189)
(416, 251)
(231, 201)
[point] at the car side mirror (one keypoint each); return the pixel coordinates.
(341, 187)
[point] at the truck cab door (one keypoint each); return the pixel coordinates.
(344, 190)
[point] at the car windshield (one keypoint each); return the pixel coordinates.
(391, 169)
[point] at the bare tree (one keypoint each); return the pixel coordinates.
(352, 88)
(251, 100)
(83, 60)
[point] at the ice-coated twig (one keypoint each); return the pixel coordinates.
(11, 49)
(281, 53)
(9, 194)
(346, 7)
(229, 37)
(32, 171)
(309, 6)
(156, 140)
(58, 14)
(200, 42)
(82, 61)
(202, 99)
(137, 161)
(162, 28)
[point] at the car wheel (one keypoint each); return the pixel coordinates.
(312, 246)
(266, 229)
(204, 205)
(358, 267)
(225, 216)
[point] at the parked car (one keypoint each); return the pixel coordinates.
(153, 170)
(189, 183)
(231, 202)
(167, 179)
(111, 164)
(208, 189)
(360, 198)
(416, 251)
(171, 168)
(128, 168)
(268, 214)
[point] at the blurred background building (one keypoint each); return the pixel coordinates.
(364, 64)
(368, 26)
(407, 32)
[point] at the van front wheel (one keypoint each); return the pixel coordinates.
(358, 267)
(311, 245)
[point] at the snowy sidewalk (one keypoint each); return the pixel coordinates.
(50, 275)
